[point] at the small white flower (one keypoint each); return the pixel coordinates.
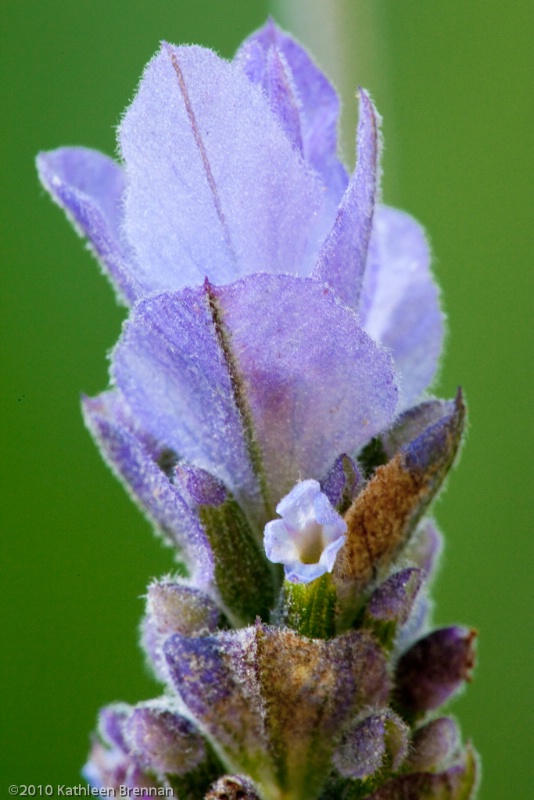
(308, 537)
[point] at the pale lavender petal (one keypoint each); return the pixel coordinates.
(318, 101)
(187, 402)
(269, 69)
(108, 769)
(297, 572)
(147, 484)
(417, 624)
(261, 380)
(279, 547)
(399, 305)
(343, 256)
(214, 186)
(315, 530)
(89, 187)
(297, 507)
(105, 767)
(313, 393)
(424, 550)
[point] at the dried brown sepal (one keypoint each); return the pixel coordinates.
(310, 689)
(382, 518)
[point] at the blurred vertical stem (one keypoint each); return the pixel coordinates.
(347, 38)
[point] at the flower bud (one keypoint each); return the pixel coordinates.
(434, 668)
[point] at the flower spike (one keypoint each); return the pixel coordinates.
(283, 331)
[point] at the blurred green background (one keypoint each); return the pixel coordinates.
(453, 82)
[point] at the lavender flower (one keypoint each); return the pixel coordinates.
(308, 537)
(284, 326)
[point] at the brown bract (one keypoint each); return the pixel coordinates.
(384, 515)
(378, 522)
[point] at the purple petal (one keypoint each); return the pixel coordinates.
(214, 187)
(149, 487)
(399, 306)
(239, 375)
(317, 99)
(89, 187)
(297, 572)
(434, 669)
(343, 256)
